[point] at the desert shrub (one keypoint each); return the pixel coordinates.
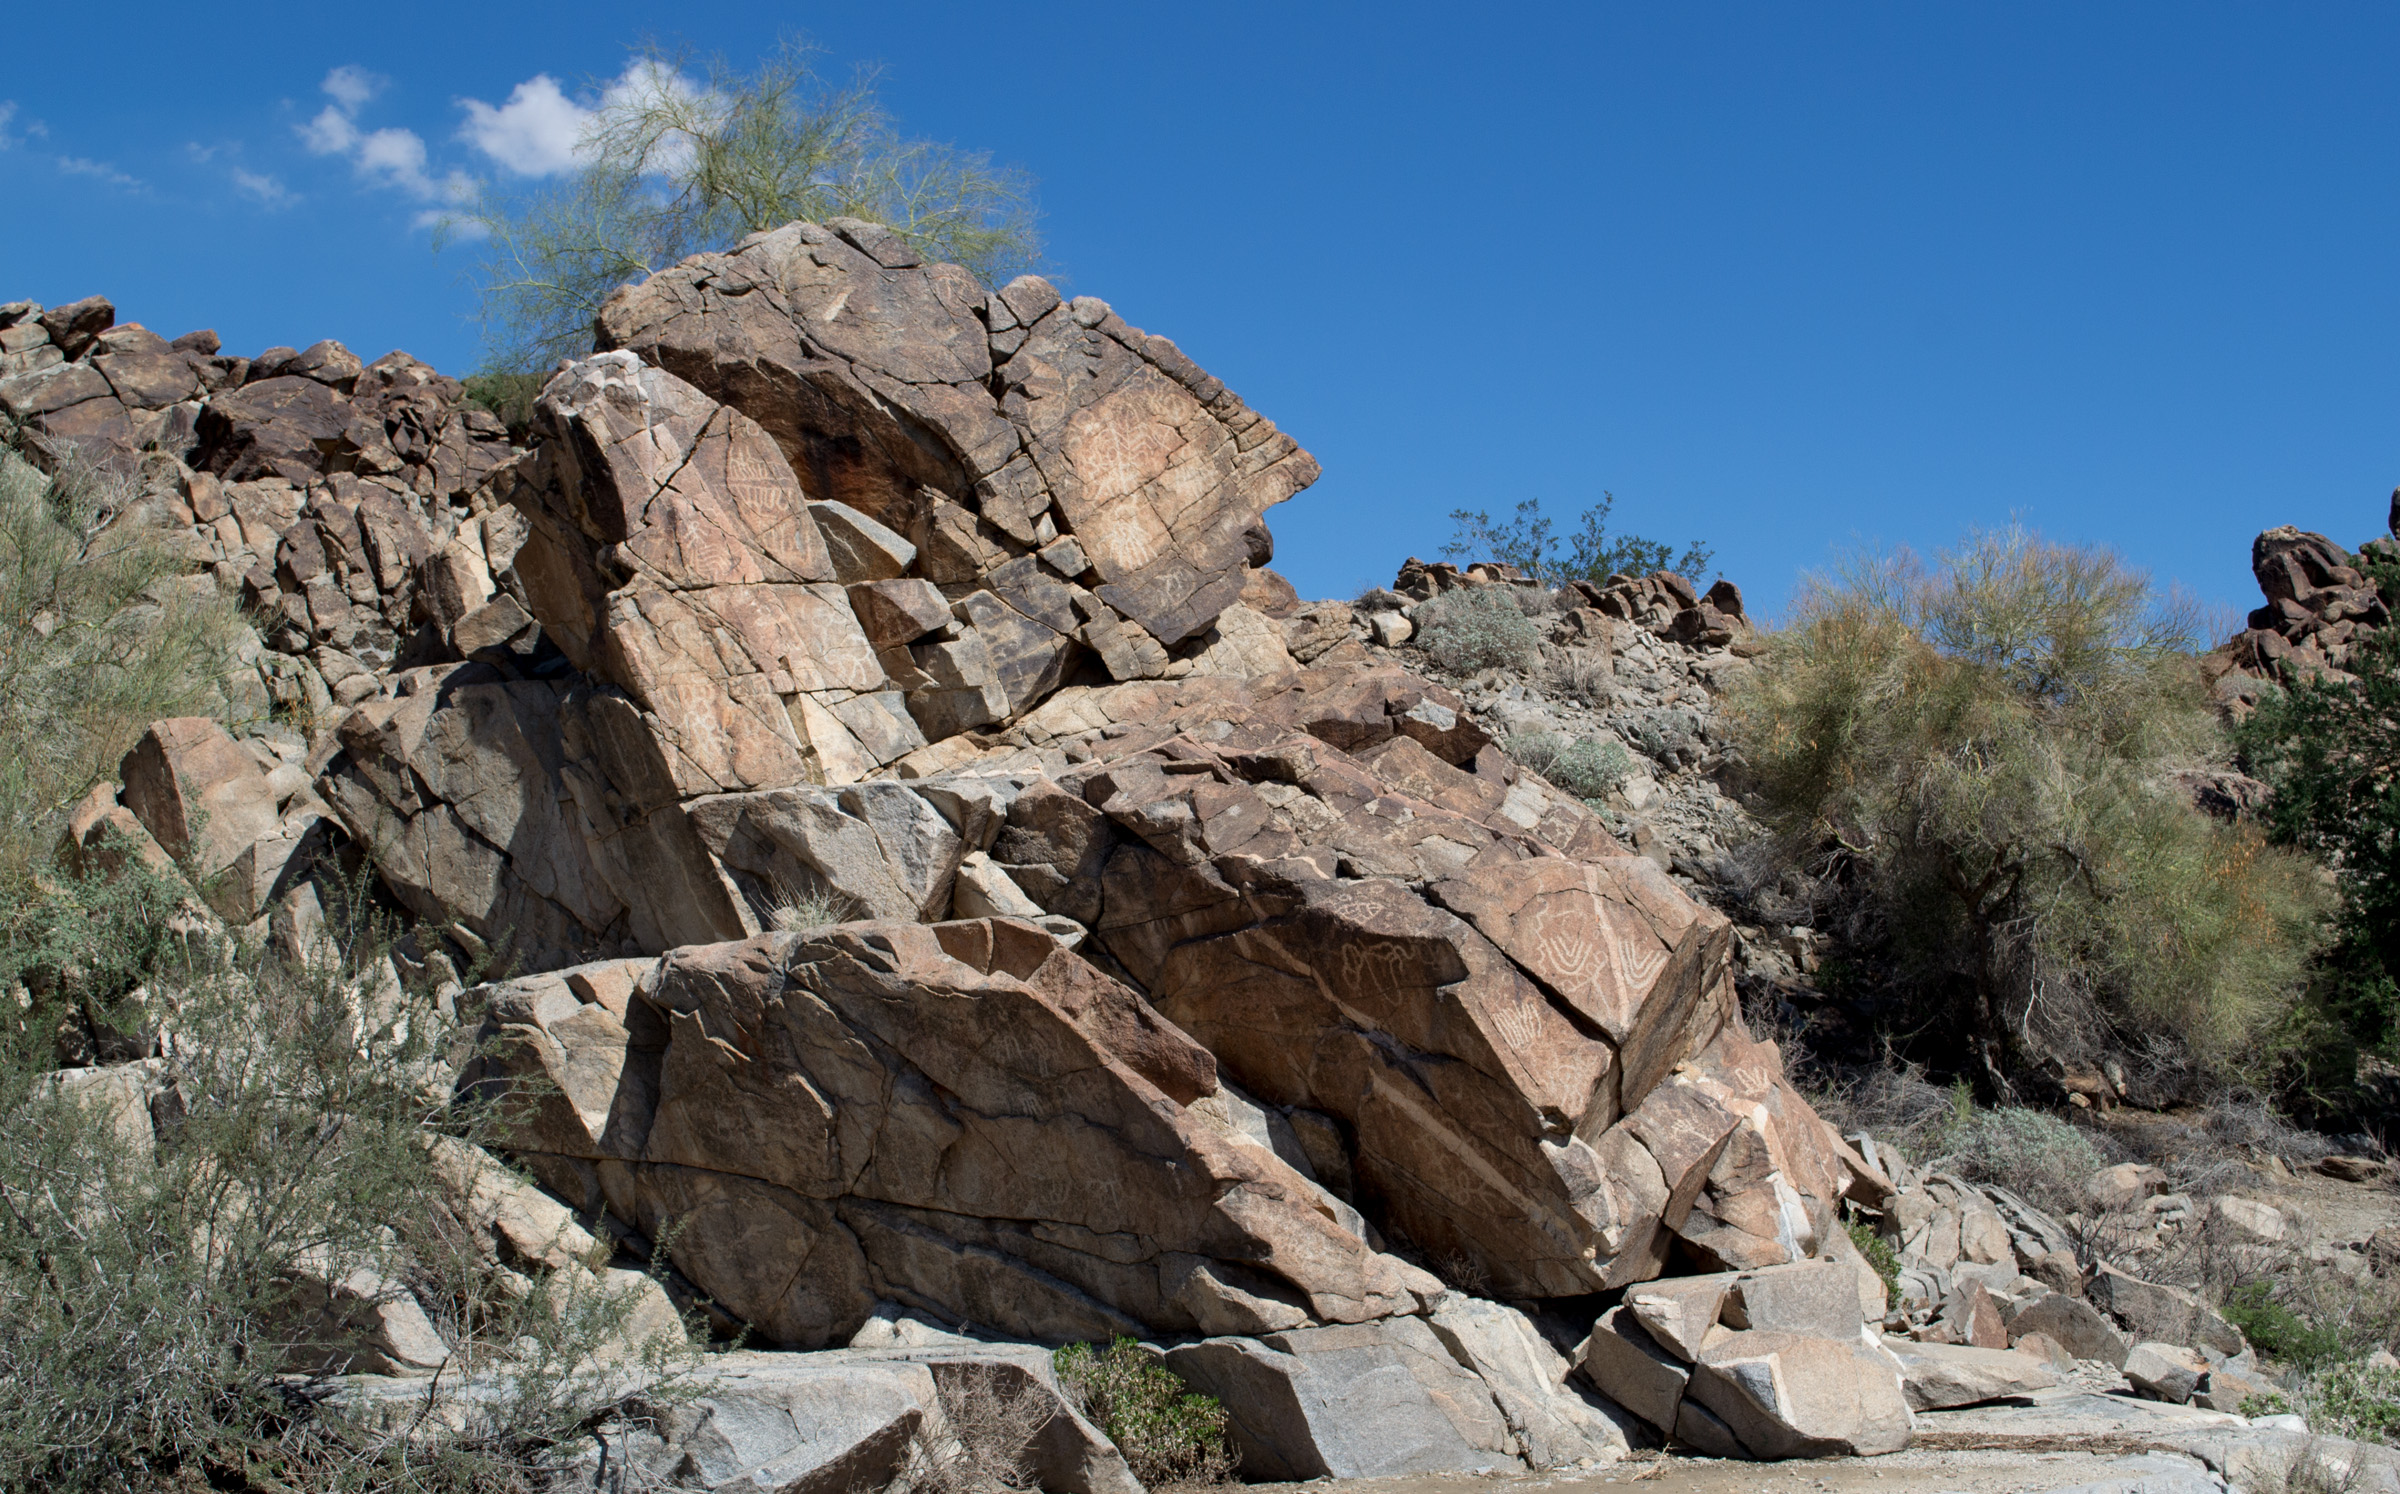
(990, 1417)
(96, 641)
(163, 1221)
(1986, 746)
(2278, 1332)
(1586, 767)
(2330, 751)
(793, 908)
(506, 397)
(2356, 1400)
(1169, 1435)
(1879, 1254)
(1478, 627)
(2034, 1155)
(1529, 542)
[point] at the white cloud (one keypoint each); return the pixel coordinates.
(266, 190)
(540, 131)
(8, 111)
(331, 133)
(99, 171)
(351, 86)
(392, 157)
(534, 134)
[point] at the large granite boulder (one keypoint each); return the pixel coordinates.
(974, 420)
(961, 1117)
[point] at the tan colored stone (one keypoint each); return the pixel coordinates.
(201, 797)
(1615, 940)
(1789, 1396)
(930, 1144)
(1940, 1377)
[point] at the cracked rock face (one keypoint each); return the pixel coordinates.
(966, 879)
(964, 1117)
(911, 394)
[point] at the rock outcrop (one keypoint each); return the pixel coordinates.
(2320, 605)
(945, 869)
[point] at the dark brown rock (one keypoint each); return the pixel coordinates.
(74, 327)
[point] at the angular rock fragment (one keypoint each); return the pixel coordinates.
(1788, 1396)
(1372, 1400)
(1938, 1377)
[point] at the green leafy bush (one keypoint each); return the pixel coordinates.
(1168, 1435)
(2278, 1332)
(101, 633)
(2356, 1400)
(2272, 1403)
(1479, 627)
(2330, 751)
(1984, 750)
(1586, 767)
(508, 398)
(1528, 542)
(170, 1222)
(1879, 1254)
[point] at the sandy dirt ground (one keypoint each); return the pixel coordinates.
(1918, 1471)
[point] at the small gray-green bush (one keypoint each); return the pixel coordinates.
(155, 1257)
(1169, 1435)
(1479, 627)
(2038, 1157)
(1587, 767)
(97, 640)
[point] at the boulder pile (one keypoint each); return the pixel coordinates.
(951, 883)
(2320, 605)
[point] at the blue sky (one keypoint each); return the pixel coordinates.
(1785, 278)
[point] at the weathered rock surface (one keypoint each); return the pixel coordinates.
(876, 374)
(1938, 1377)
(2166, 1372)
(1365, 1401)
(964, 1117)
(1788, 1395)
(1182, 952)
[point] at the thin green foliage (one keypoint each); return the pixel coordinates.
(2330, 750)
(1170, 1436)
(1987, 743)
(674, 165)
(170, 1227)
(2278, 1332)
(2356, 1400)
(100, 634)
(1879, 1255)
(1529, 542)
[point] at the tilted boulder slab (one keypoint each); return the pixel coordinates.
(1283, 901)
(1371, 1400)
(876, 374)
(1786, 1395)
(964, 1117)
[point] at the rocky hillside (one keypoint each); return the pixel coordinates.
(950, 881)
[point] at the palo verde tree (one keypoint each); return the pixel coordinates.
(672, 165)
(1529, 542)
(100, 633)
(1987, 747)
